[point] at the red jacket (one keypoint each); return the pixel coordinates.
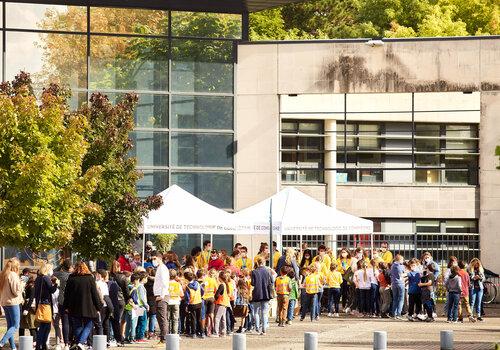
(124, 264)
(464, 276)
(217, 264)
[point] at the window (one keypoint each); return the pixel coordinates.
(202, 112)
(204, 150)
(302, 151)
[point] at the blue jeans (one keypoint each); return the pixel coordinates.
(318, 303)
(13, 317)
(152, 323)
(375, 299)
(42, 335)
(131, 325)
(333, 300)
(82, 327)
(291, 309)
(398, 294)
(453, 299)
(261, 315)
(308, 305)
(250, 321)
(142, 325)
(476, 298)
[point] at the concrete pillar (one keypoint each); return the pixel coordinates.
(446, 340)
(26, 342)
(239, 341)
(99, 342)
(379, 340)
(172, 342)
(310, 341)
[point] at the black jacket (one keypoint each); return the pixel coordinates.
(122, 282)
(43, 290)
(262, 283)
(81, 298)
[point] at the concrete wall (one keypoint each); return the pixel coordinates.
(489, 178)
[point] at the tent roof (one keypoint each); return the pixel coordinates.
(296, 213)
(182, 212)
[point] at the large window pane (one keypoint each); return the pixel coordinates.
(49, 58)
(207, 150)
(461, 169)
(428, 130)
(150, 148)
(461, 146)
(202, 112)
(465, 131)
(427, 145)
(153, 182)
(151, 110)
(461, 226)
(128, 63)
(202, 66)
(47, 17)
(127, 20)
(215, 188)
(311, 143)
(207, 25)
(429, 176)
(428, 226)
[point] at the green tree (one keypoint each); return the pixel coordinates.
(164, 241)
(440, 22)
(114, 223)
(44, 193)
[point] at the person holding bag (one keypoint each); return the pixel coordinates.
(43, 297)
(11, 296)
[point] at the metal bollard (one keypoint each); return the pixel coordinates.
(239, 341)
(379, 340)
(172, 342)
(26, 342)
(310, 341)
(446, 340)
(99, 342)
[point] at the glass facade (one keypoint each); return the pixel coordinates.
(181, 64)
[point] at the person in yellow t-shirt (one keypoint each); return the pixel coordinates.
(323, 258)
(276, 255)
(203, 258)
(283, 288)
(263, 253)
(334, 281)
(244, 262)
(211, 285)
(173, 302)
(343, 266)
(310, 297)
(385, 254)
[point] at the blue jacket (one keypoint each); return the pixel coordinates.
(397, 270)
(194, 285)
(413, 280)
(262, 283)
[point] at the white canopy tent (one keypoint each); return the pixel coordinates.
(183, 213)
(295, 213)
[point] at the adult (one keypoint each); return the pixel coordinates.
(323, 258)
(82, 302)
(190, 263)
(62, 275)
(385, 253)
(397, 286)
(427, 260)
(171, 260)
(148, 251)
(262, 283)
(477, 277)
(344, 267)
(44, 288)
(204, 257)
(123, 259)
(11, 296)
(118, 321)
(276, 254)
(136, 261)
(263, 253)
(305, 261)
(161, 292)
(244, 262)
(288, 260)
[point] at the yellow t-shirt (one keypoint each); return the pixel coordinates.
(202, 259)
(211, 286)
(242, 265)
(312, 283)
(276, 257)
(343, 265)
(387, 257)
(334, 279)
(325, 264)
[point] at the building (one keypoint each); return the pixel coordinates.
(400, 131)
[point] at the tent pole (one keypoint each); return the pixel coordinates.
(143, 245)
(271, 249)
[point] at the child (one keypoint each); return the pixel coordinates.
(292, 297)
(28, 308)
(363, 278)
(414, 291)
(241, 302)
(173, 302)
(374, 291)
(192, 295)
(384, 281)
(311, 286)
(464, 297)
(222, 302)
(208, 299)
(142, 308)
(151, 302)
(133, 302)
(283, 288)
(454, 288)
(427, 287)
(334, 281)
(230, 320)
(201, 276)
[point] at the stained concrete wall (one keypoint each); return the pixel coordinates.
(266, 71)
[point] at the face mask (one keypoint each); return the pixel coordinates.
(454, 264)
(155, 263)
(127, 256)
(427, 260)
(214, 258)
(24, 279)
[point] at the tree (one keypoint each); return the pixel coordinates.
(440, 22)
(164, 241)
(497, 153)
(44, 194)
(114, 223)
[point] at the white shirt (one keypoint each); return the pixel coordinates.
(360, 278)
(103, 288)
(161, 283)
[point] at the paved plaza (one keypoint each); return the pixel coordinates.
(349, 333)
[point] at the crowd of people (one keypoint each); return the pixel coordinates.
(211, 293)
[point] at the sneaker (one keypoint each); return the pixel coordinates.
(329, 315)
(429, 319)
(472, 319)
(434, 315)
(336, 314)
(347, 310)
(410, 318)
(281, 324)
(480, 319)
(288, 322)
(301, 319)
